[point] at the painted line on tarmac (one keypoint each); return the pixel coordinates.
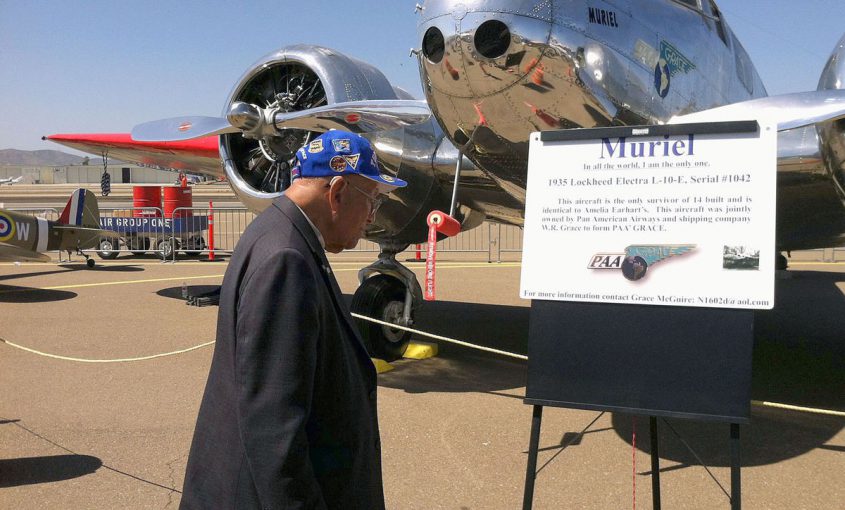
(185, 278)
(103, 284)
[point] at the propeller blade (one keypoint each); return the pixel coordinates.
(357, 116)
(790, 111)
(179, 129)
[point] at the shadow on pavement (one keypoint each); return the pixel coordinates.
(193, 290)
(773, 436)
(129, 268)
(32, 470)
(15, 294)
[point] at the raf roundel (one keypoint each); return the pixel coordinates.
(7, 228)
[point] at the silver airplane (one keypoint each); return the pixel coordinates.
(10, 180)
(493, 71)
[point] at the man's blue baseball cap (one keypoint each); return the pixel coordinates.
(341, 153)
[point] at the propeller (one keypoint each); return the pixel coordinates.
(790, 111)
(181, 128)
(256, 122)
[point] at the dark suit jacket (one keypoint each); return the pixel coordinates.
(288, 419)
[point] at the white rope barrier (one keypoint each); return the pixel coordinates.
(760, 403)
(120, 360)
(442, 338)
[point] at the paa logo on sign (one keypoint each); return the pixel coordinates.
(637, 258)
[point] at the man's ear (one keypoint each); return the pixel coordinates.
(336, 187)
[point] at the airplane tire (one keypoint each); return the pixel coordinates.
(90, 263)
(108, 248)
(381, 297)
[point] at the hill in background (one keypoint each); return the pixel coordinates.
(15, 157)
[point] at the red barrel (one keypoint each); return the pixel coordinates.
(146, 196)
(176, 197)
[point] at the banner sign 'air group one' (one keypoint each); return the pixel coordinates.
(678, 215)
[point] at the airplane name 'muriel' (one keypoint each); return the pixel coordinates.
(621, 148)
(602, 17)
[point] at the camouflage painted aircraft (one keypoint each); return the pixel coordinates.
(26, 238)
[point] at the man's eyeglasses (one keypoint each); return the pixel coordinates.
(375, 201)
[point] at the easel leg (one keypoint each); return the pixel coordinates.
(655, 463)
(736, 487)
(533, 447)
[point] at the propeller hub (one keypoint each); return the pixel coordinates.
(244, 116)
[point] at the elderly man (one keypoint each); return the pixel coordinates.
(288, 419)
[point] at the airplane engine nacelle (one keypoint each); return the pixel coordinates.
(294, 78)
(301, 77)
(833, 77)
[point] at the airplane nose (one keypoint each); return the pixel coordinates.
(470, 53)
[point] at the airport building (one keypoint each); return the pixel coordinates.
(121, 173)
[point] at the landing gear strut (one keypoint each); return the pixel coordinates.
(88, 260)
(388, 292)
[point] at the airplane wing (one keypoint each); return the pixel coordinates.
(200, 155)
(16, 254)
(789, 111)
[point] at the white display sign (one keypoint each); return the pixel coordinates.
(680, 219)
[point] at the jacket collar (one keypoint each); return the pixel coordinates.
(297, 218)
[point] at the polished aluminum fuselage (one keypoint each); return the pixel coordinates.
(574, 63)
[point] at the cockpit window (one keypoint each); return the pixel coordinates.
(743, 67)
(717, 19)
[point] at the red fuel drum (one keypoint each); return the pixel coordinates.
(176, 197)
(146, 196)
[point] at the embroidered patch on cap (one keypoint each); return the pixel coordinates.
(341, 145)
(315, 146)
(338, 164)
(352, 160)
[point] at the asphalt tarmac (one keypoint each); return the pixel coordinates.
(454, 428)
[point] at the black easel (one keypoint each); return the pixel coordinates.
(676, 362)
(534, 446)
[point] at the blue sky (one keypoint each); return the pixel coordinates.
(75, 66)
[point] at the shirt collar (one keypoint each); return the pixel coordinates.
(314, 227)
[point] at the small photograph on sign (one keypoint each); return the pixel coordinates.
(741, 257)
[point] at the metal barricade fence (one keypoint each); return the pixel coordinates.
(48, 213)
(198, 230)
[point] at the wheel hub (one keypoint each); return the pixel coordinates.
(393, 313)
